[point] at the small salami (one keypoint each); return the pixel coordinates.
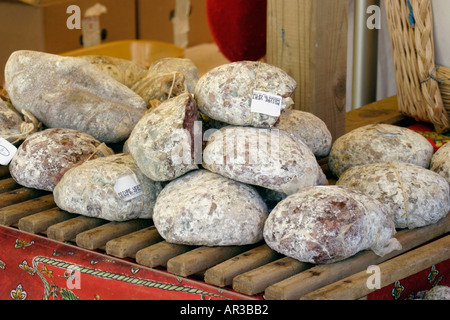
(309, 128)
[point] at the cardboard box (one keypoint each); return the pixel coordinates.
(154, 21)
(42, 25)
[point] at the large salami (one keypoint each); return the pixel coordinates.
(204, 208)
(45, 156)
(325, 224)
(416, 197)
(225, 93)
(269, 158)
(70, 92)
(111, 188)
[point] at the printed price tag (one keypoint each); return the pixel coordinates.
(128, 187)
(7, 152)
(266, 103)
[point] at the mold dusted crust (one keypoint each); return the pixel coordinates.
(268, 158)
(379, 143)
(308, 128)
(181, 65)
(44, 157)
(89, 190)
(225, 92)
(440, 162)
(415, 196)
(69, 92)
(325, 224)
(124, 71)
(209, 210)
(162, 141)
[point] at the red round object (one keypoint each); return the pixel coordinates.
(239, 27)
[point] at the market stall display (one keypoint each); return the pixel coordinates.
(170, 124)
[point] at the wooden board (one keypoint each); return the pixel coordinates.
(313, 50)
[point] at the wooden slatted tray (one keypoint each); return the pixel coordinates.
(250, 270)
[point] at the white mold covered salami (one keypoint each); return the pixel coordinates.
(111, 188)
(209, 210)
(45, 156)
(416, 197)
(70, 92)
(378, 143)
(440, 162)
(325, 224)
(309, 128)
(225, 92)
(269, 158)
(162, 142)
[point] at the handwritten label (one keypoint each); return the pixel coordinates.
(128, 187)
(7, 152)
(266, 103)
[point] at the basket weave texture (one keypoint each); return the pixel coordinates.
(423, 89)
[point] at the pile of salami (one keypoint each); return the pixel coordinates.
(220, 160)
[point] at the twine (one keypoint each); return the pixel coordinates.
(173, 85)
(431, 76)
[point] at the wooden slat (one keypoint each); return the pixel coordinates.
(223, 274)
(68, 230)
(8, 184)
(158, 254)
(98, 237)
(18, 196)
(318, 276)
(257, 280)
(202, 258)
(128, 245)
(41, 221)
(403, 266)
(12, 214)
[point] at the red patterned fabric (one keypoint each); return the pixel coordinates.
(414, 286)
(427, 130)
(37, 268)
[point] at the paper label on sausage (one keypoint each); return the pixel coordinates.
(7, 152)
(128, 187)
(266, 103)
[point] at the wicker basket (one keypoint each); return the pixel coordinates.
(423, 89)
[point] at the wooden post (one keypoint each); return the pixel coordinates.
(308, 39)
